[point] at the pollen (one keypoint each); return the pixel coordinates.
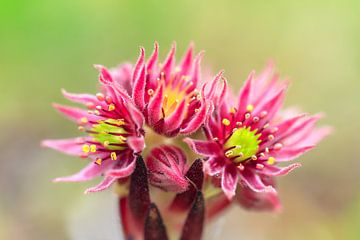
(226, 121)
(111, 107)
(229, 153)
(85, 148)
(98, 161)
(84, 120)
(100, 96)
(271, 160)
(233, 110)
(249, 108)
(113, 156)
(92, 148)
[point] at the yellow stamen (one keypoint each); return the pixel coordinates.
(111, 107)
(113, 156)
(271, 160)
(226, 121)
(98, 161)
(85, 148)
(249, 108)
(229, 153)
(84, 120)
(92, 148)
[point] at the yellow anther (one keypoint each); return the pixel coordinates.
(86, 148)
(111, 107)
(106, 143)
(81, 128)
(96, 112)
(271, 160)
(233, 110)
(92, 148)
(120, 122)
(249, 108)
(84, 120)
(226, 121)
(122, 138)
(229, 153)
(98, 161)
(113, 156)
(254, 157)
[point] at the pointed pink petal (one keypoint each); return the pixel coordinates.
(278, 171)
(245, 94)
(139, 89)
(105, 76)
(139, 65)
(254, 182)
(75, 114)
(214, 165)
(151, 64)
(174, 121)
(155, 105)
(123, 172)
(80, 98)
(105, 184)
(271, 106)
(69, 146)
(197, 120)
(290, 153)
(136, 116)
(195, 74)
(229, 180)
(186, 62)
(204, 148)
(169, 62)
(210, 92)
(137, 144)
(91, 171)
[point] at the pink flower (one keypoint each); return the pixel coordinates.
(167, 94)
(248, 138)
(114, 131)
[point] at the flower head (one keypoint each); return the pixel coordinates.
(113, 128)
(167, 94)
(247, 139)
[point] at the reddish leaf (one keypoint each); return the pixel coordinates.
(154, 226)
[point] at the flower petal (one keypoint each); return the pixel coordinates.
(106, 183)
(279, 171)
(124, 171)
(204, 148)
(254, 182)
(69, 146)
(137, 144)
(91, 171)
(263, 201)
(229, 180)
(214, 165)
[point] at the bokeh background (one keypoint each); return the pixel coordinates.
(47, 45)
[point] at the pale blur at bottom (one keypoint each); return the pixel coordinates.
(49, 45)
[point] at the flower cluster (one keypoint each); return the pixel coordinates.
(147, 110)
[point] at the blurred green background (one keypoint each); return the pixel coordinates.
(46, 45)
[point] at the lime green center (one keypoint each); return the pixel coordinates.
(243, 144)
(109, 133)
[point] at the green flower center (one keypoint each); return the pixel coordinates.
(242, 144)
(110, 133)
